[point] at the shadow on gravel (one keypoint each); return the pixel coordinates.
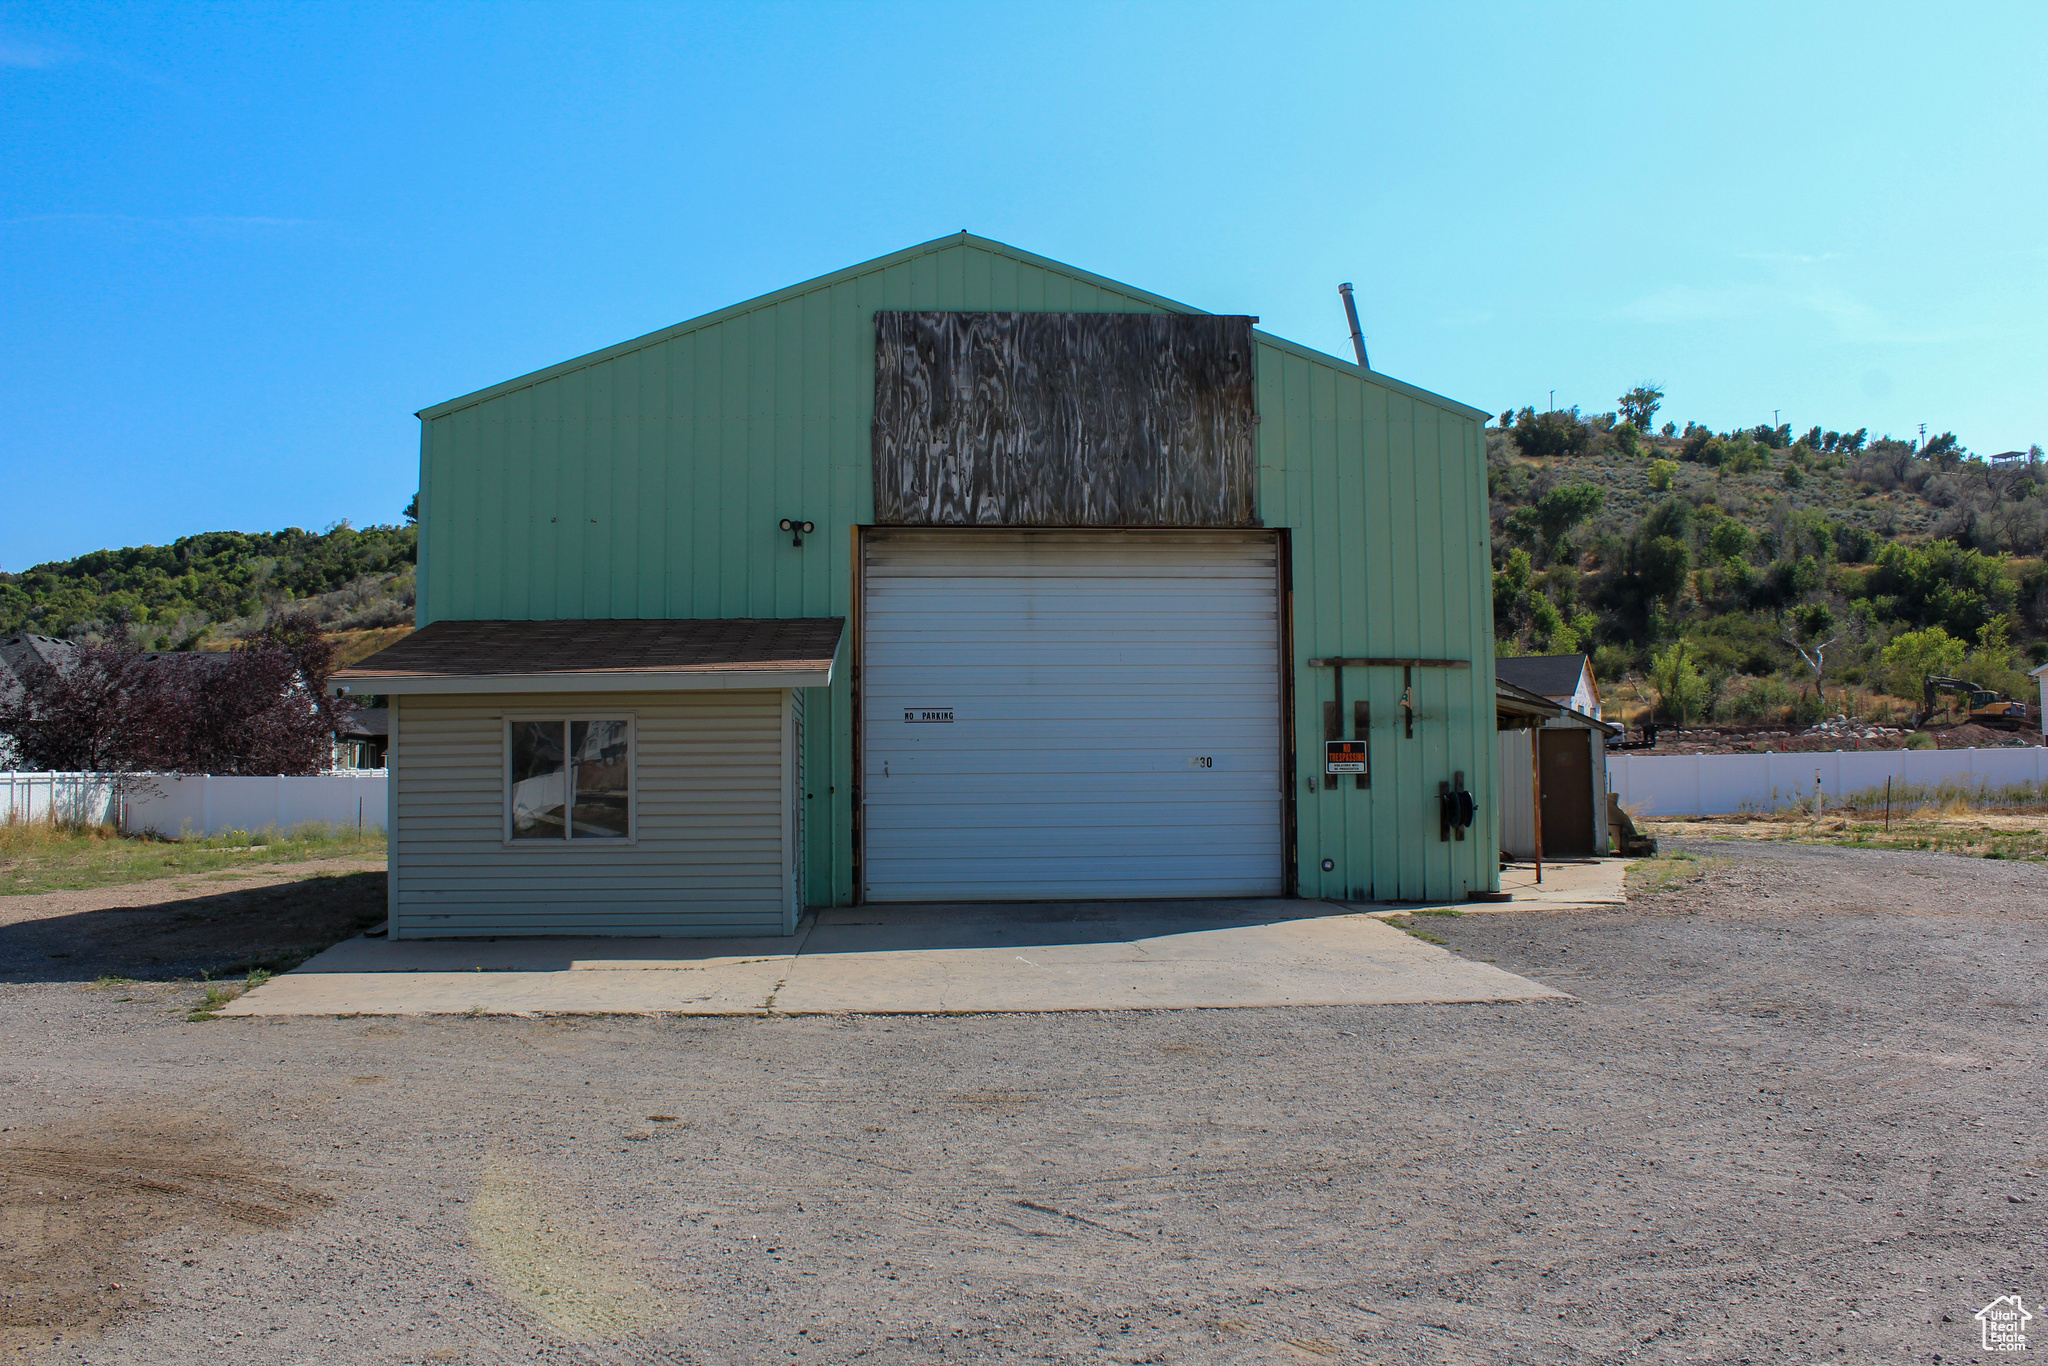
(884, 926)
(275, 928)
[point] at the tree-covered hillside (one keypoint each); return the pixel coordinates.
(1745, 576)
(220, 584)
(1758, 576)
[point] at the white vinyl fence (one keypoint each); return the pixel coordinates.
(186, 806)
(1724, 784)
(71, 798)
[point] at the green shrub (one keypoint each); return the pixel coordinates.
(1941, 584)
(1681, 688)
(1913, 657)
(1766, 699)
(1563, 508)
(1853, 544)
(1672, 517)
(1663, 565)
(1743, 456)
(1553, 433)
(1729, 540)
(1612, 661)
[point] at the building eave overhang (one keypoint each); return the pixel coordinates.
(601, 655)
(605, 680)
(1511, 701)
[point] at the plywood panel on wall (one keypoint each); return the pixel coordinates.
(1063, 420)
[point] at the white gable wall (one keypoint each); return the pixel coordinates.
(1585, 701)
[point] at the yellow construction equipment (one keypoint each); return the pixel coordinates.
(1984, 706)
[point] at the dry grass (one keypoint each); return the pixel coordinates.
(37, 856)
(1667, 872)
(1954, 825)
(351, 647)
(219, 994)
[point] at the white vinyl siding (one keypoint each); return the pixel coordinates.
(1115, 703)
(712, 788)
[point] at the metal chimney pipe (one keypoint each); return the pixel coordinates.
(1357, 336)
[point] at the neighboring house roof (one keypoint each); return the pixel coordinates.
(18, 653)
(1551, 675)
(368, 723)
(609, 655)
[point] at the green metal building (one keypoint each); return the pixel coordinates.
(660, 479)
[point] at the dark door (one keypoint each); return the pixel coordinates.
(1567, 793)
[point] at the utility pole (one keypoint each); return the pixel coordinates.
(1921, 444)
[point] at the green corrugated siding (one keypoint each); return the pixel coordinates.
(647, 481)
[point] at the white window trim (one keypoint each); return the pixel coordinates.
(505, 724)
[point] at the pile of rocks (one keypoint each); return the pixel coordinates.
(1840, 727)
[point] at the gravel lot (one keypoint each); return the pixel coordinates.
(1795, 1115)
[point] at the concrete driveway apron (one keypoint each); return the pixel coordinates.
(915, 960)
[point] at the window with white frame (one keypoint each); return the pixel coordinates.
(568, 778)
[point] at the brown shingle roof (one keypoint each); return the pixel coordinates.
(448, 655)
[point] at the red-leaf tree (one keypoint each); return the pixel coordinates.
(99, 710)
(258, 709)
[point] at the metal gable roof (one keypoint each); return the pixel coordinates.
(881, 263)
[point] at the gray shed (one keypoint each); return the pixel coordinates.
(609, 777)
(1567, 816)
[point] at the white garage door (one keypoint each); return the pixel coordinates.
(1071, 715)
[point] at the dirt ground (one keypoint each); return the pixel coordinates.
(1787, 827)
(1795, 1114)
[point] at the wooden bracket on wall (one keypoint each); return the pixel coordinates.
(1333, 713)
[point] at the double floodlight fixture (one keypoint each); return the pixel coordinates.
(798, 529)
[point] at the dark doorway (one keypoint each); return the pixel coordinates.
(1567, 787)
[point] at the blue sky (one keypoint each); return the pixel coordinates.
(241, 245)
